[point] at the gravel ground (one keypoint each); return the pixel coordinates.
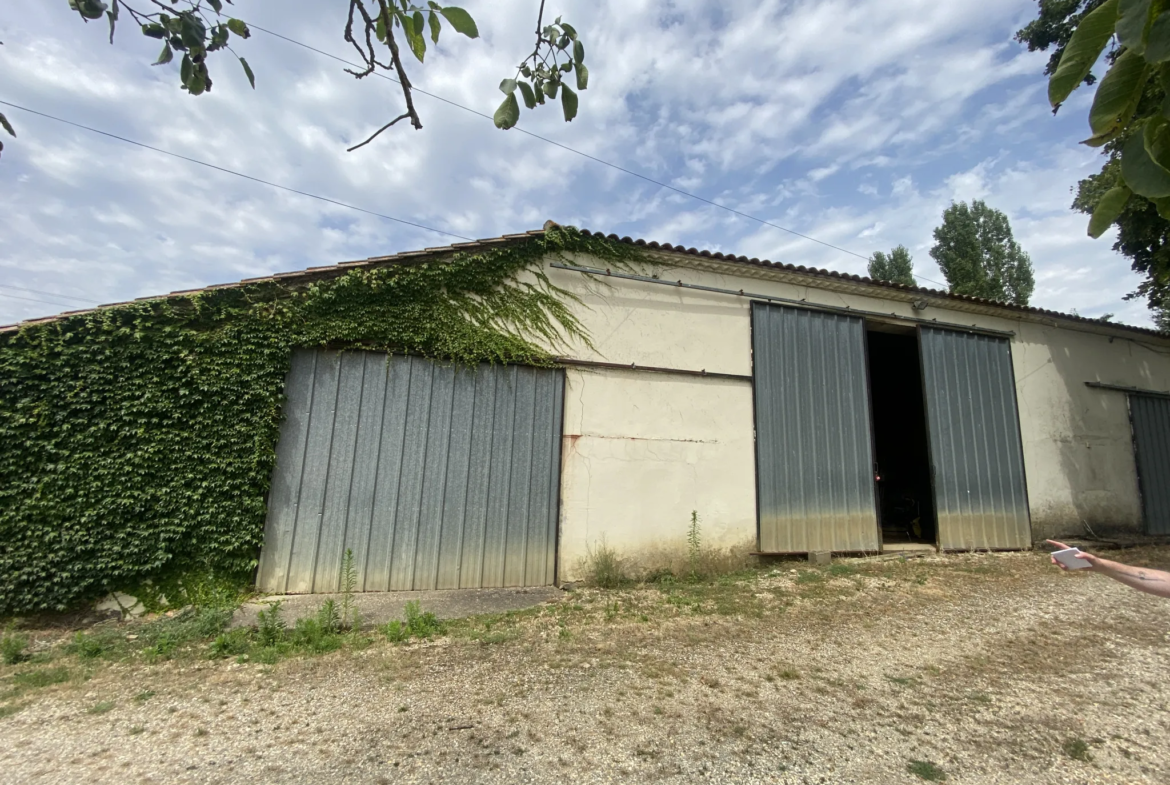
(993, 668)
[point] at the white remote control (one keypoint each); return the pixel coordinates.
(1068, 557)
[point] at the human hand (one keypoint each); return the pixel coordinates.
(1090, 558)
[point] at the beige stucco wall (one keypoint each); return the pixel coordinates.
(1078, 448)
(642, 450)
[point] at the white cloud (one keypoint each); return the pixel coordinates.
(804, 113)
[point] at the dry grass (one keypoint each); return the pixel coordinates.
(866, 666)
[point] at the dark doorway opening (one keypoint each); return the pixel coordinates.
(905, 496)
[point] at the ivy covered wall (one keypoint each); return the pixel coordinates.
(137, 442)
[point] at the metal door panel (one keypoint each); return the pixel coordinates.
(977, 460)
(814, 447)
(433, 476)
(1150, 417)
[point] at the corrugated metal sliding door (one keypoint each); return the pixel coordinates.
(814, 454)
(436, 477)
(1151, 444)
(976, 457)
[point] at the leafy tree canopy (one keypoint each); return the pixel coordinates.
(197, 29)
(975, 249)
(1129, 120)
(896, 268)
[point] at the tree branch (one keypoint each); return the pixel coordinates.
(403, 80)
(380, 130)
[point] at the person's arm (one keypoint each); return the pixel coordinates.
(1150, 581)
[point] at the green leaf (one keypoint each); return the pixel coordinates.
(248, 71)
(113, 16)
(192, 30)
(1158, 42)
(433, 21)
(1163, 206)
(415, 39)
(217, 5)
(238, 27)
(1141, 174)
(186, 69)
(1133, 16)
(1108, 209)
(414, 36)
(166, 55)
(154, 31)
(550, 88)
(508, 114)
(569, 30)
(1082, 51)
(89, 9)
(1156, 138)
(578, 52)
(6, 125)
(380, 28)
(1119, 90)
(198, 82)
(461, 21)
(508, 86)
(568, 103)
(529, 96)
(582, 76)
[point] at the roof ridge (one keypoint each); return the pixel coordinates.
(377, 261)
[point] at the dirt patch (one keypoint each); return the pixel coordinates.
(990, 668)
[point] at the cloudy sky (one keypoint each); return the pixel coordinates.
(852, 121)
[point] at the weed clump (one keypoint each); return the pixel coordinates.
(1077, 749)
(694, 546)
(12, 648)
(418, 624)
(271, 625)
(924, 769)
(604, 569)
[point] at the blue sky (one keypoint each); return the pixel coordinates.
(856, 122)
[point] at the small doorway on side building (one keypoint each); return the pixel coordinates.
(901, 448)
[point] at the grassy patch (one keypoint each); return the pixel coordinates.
(101, 707)
(100, 642)
(1077, 749)
(728, 595)
(838, 570)
(924, 769)
(9, 709)
(144, 696)
(44, 677)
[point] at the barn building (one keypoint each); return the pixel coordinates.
(794, 410)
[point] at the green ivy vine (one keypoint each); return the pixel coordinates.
(137, 442)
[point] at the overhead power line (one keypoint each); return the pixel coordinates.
(32, 300)
(567, 148)
(48, 294)
(233, 172)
